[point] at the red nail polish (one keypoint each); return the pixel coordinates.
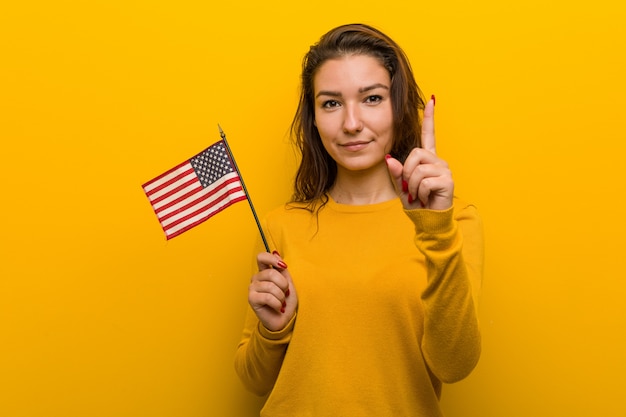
(287, 292)
(276, 253)
(405, 186)
(282, 309)
(284, 304)
(433, 98)
(387, 156)
(282, 264)
(410, 199)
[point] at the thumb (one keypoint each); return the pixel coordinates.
(395, 170)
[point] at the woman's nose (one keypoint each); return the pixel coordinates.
(352, 122)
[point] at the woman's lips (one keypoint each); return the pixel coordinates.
(356, 145)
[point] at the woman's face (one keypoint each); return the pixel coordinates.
(353, 112)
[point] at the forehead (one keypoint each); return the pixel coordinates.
(350, 71)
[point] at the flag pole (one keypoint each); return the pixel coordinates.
(243, 185)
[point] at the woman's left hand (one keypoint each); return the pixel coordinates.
(424, 180)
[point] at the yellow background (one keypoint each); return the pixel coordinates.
(100, 316)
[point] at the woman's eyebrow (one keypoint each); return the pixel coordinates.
(361, 90)
(373, 87)
(328, 93)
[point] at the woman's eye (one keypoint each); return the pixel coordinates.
(373, 99)
(330, 104)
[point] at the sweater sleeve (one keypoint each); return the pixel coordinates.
(452, 343)
(260, 354)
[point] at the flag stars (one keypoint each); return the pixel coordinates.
(212, 164)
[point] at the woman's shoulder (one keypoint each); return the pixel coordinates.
(289, 219)
(290, 210)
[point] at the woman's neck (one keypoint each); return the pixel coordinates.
(362, 188)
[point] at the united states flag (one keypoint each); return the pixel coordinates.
(195, 190)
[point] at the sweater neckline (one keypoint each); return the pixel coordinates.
(365, 208)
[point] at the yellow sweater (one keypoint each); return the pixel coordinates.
(386, 311)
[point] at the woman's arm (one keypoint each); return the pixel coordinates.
(452, 244)
(269, 323)
(260, 354)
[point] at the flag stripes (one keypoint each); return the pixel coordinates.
(194, 190)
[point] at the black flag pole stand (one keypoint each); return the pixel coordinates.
(243, 185)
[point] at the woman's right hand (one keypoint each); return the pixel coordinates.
(271, 293)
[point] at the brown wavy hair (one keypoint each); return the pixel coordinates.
(317, 171)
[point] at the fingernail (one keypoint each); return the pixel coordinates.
(410, 199)
(405, 186)
(282, 309)
(276, 253)
(433, 98)
(287, 292)
(387, 156)
(284, 304)
(422, 204)
(282, 264)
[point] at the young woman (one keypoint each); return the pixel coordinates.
(366, 305)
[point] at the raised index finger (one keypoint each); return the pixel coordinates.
(428, 126)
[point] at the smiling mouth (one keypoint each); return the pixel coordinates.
(355, 146)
